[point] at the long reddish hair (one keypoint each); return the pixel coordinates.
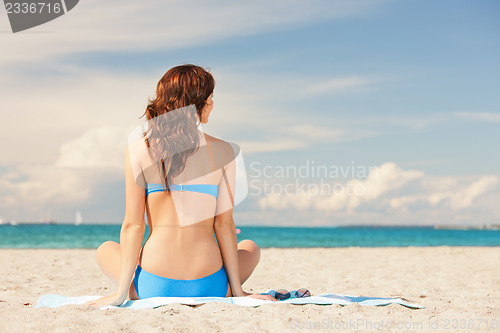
(173, 137)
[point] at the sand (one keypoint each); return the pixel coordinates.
(459, 287)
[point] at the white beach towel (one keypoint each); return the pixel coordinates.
(54, 301)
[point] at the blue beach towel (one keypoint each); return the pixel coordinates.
(54, 301)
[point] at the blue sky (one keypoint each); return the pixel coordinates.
(409, 87)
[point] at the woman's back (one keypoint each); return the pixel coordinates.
(181, 244)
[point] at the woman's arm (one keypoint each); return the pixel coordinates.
(131, 236)
(225, 230)
(133, 227)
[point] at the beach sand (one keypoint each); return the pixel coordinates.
(459, 287)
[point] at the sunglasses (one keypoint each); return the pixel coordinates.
(282, 294)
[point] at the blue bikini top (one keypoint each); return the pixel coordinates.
(200, 188)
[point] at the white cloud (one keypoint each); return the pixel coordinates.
(382, 180)
(488, 117)
(425, 162)
(393, 121)
(30, 190)
(335, 196)
(337, 84)
(85, 166)
(315, 132)
(465, 196)
(102, 147)
(252, 147)
(388, 189)
(300, 137)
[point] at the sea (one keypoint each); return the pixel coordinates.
(90, 236)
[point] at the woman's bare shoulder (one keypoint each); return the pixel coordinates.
(219, 144)
(226, 151)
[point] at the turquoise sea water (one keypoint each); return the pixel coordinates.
(91, 236)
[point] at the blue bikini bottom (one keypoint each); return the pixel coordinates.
(151, 285)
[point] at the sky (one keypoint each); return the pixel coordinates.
(378, 112)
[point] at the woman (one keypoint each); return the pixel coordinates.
(184, 179)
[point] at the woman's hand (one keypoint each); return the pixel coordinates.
(113, 299)
(259, 296)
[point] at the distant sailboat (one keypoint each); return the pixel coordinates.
(78, 218)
